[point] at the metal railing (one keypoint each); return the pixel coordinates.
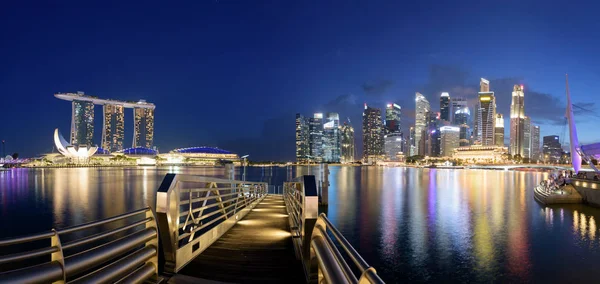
(126, 254)
(194, 211)
(316, 240)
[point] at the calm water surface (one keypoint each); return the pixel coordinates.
(418, 225)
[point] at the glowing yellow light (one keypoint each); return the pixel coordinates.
(484, 99)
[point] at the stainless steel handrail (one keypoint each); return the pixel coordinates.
(194, 211)
(316, 239)
(85, 263)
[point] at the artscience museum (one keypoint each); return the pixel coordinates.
(76, 153)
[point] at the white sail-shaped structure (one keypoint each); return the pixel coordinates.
(77, 153)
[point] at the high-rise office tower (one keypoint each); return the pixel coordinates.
(302, 139)
(392, 146)
(113, 131)
(449, 140)
(499, 130)
(422, 107)
(431, 135)
(445, 107)
(552, 149)
(331, 138)
(372, 135)
(535, 142)
(412, 147)
(460, 111)
(392, 118)
(143, 127)
(486, 115)
(393, 136)
(347, 133)
(82, 123)
(315, 129)
(526, 137)
(517, 122)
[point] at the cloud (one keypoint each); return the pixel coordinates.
(378, 88)
(342, 101)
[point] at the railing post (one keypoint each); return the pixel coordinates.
(167, 213)
(58, 256)
(153, 242)
(325, 185)
(310, 213)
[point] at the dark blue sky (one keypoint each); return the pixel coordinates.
(233, 74)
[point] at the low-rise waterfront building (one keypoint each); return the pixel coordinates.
(478, 154)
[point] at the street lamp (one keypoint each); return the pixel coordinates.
(244, 157)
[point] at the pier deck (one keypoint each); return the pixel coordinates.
(258, 248)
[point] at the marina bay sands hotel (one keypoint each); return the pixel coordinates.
(113, 131)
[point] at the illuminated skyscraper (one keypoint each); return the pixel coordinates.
(412, 148)
(526, 138)
(302, 139)
(552, 149)
(517, 122)
(422, 107)
(535, 142)
(331, 139)
(431, 137)
(445, 107)
(499, 130)
(82, 123)
(449, 140)
(143, 127)
(347, 133)
(114, 127)
(315, 129)
(372, 135)
(393, 139)
(392, 119)
(486, 115)
(460, 111)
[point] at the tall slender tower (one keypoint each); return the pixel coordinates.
(486, 115)
(143, 126)
(331, 138)
(315, 128)
(113, 131)
(347, 133)
(82, 122)
(517, 122)
(535, 142)
(499, 130)
(372, 134)
(422, 107)
(302, 142)
(445, 107)
(526, 138)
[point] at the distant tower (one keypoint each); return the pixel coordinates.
(526, 137)
(422, 107)
(535, 142)
(393, 139)
(412, 147)
(143, 126)
(347, 133)
(486, 115)
(449, 140)
(331, 138)
(499, 130)
(113, 131)
(315, 129)
(302, 141)
(517, 122)
(445, 107)
(372, 134)
(82, 122)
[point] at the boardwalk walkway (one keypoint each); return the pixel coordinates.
(257, 249)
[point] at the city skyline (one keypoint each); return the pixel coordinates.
(273, 65)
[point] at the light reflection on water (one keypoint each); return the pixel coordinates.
(414, 225)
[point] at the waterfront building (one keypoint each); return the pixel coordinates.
(552, 149)
(422, 107)
(210, 156)
(535, 142)
(412, 151)
(78, 154)
(113, 131)
(527, 138)
(499, 130)
(478, 154)
(143, 127)
(449, 140)
(82, 123)
(302, 139)
(393, 146)
(517, 122)
(486, 115)
(445, 107)
(373, 133)
(315, 128)
(331, 139)
(460, 111)
(347, 134)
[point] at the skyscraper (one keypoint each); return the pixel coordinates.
(372, 135)
(552, 149)
(526, 138)
(517, 122)
(347, 133)
(331, 139)
(392, 118)
(422, 107)
(393, 136)
(431, 136)
(445, 107)
(499, 130)
(412, 147)
(315, 129)
(535, 142)
(486, 115)
(113, 131)
(302, 139)
(143, 127)
(82, 122)
(460, 111)
(449, 140)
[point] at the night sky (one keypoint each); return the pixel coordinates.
(232, 74)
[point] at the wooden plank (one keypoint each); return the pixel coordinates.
(258, 248)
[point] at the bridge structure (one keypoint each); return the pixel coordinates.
(203, 230)
(520, 166)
